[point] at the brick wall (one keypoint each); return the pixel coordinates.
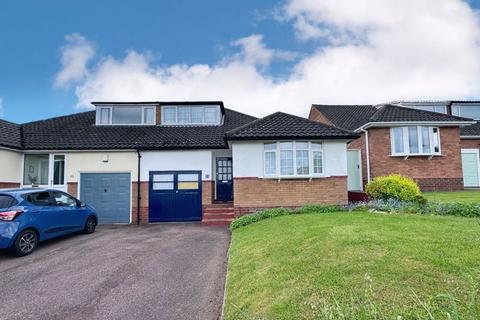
(72, 188)
(143, 202)
(253, 194)
(9, 185)
(316, 115)
(470, 143)
(439, 173)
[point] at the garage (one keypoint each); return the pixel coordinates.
(471, 168)
(175, 196)
(109, 194)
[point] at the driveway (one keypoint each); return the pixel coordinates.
(168, 271)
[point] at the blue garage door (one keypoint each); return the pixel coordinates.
(109, 194)
(175, 196)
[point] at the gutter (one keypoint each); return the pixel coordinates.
(367, 151)
(139, 157)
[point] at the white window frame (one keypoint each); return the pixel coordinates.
(203, 123)
(311, 174)
(50, 174)
(110, 120)
(460, 106)
(406, 142)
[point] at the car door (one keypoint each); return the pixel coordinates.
(46, 216)
(72, 217)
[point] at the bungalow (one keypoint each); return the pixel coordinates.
(419, 141)
(178, 161)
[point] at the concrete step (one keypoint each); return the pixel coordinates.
(217, 215)
(216, 222)
(218, 210)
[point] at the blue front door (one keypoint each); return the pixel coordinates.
(175, 196)
(224, 179)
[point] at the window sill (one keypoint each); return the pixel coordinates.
(295, 177)
(416, 155)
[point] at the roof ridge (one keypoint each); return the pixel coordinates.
(315, 122)
(241, 113)
(249, 124)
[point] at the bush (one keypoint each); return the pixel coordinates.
(394, 186)
(276, 212)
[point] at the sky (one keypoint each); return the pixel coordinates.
(56, 56)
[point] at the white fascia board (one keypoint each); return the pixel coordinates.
(469, 137)
(415, 123)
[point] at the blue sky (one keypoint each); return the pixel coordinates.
(187, 33)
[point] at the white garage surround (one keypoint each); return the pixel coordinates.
(471, 168)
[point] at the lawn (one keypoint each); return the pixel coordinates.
(355, 266)
(454, 196)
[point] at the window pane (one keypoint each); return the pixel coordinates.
(162, 186)
(188, 177)
(163, 177)
(104, 115)
(456, 110)
(317, 162)
(183, 114)
(426, 140)
(197, 114)
(148, 115)
(301, 145)
(127, 115)
(40, 199)
(211, 114)
(62, 199)
(316, 146)
(270, 163)
(270, 146)
(302, 162)
(59, 169)
(436, 140)
(169, 115)
(192, 185)
(286, 145)
(286, 162)
(398, 140)
(470, 111)
(35, 171)
(440, 109)
(413, 139)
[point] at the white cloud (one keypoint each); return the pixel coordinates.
(371, 51)
(76, 53)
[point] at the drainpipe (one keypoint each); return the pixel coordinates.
(139, 157)
(367, 152)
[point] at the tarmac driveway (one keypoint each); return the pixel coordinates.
(168, 271)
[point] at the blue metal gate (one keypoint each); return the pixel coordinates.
(175, 196)
(109, 194)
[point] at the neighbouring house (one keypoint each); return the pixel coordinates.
(178, 161)
(422, 142)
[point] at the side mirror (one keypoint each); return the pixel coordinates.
(82, 204)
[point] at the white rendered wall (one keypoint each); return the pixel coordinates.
(10, 166)
(176, 161)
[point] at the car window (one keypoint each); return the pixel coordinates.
(63, 199)
(40, 199)
(7, 201)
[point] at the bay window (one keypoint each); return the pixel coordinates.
(293, 159)
(415, 140)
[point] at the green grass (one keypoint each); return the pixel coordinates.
(471, 196)
(355, 266)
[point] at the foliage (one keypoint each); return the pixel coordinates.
(276, 212)
(394, 186)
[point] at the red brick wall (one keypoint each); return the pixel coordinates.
(316, 115)
(470, 143)
(439, 173)
(253, 194)
(72, 188)
(9, 185)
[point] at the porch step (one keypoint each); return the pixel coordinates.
(220, 205)
(218, 215)
(217, 222)
(218, 210)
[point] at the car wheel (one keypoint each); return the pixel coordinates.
(25, 243)
(90, 225)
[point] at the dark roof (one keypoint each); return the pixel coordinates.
(10, 135)
(348, 117)
(471, 130)
(79, 132)
(352, 117)
(281, 125)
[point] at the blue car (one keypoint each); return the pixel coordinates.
(28, 216)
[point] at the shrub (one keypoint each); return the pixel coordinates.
(394, 186)
(276, 212)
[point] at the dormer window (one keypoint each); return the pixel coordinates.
(126, 115)
(191, 115)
